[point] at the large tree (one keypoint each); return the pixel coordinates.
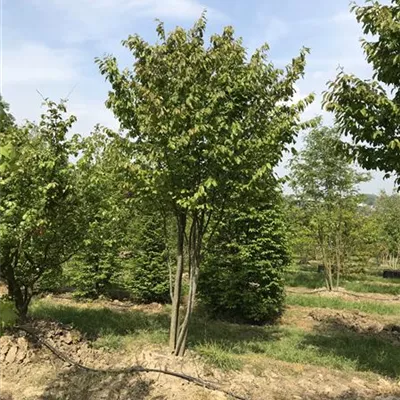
(369, 110)
(205, 123)
(325, 189)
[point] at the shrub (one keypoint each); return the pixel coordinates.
(242, 277)
(147, 270)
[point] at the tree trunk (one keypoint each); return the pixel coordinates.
(21, 298)
(173, 333)
(195, 240)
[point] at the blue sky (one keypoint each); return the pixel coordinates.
(50, 45)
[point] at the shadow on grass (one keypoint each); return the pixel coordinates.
(96, 322)
(367, 351)
(82, 385)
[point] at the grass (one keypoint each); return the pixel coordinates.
(228, 346)
(356, 283)
(338, 303)
(105, 326)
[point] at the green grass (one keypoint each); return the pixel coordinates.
(106, 328)
(228, 346)
(219, 357)
(337, 303)
(356, 283)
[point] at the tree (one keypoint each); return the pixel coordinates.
(204, 123)
(324, 183)
(39, 205)
(369, 110)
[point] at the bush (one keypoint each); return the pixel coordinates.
(147, 275)
(242, 277)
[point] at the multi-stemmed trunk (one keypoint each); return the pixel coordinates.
(179, 331)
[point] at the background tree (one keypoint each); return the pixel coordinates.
(104, 212)
(369, 110)
(39, 204)
(387, 214)
(325, 187)
(205, 123)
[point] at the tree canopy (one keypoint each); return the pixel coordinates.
(369, 110)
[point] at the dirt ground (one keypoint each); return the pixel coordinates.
(31, 372)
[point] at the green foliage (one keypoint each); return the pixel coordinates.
(369, 110)
(146, 274)
(39, 204)
(7, 150)
(8, 315)
(104, 213)
(7, 120)
(242, 277)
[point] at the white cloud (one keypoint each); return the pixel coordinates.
(93, 19)
(35, 63)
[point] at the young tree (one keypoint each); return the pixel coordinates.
(39, 204)
(205, 123)
(324, 183)
(369, 110)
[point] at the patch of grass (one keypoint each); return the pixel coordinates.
(8, 314)
(109, 325)
(337, 303)
(218, 357)
(357, 283)
(109, 341)
(373, 287)
(366, 352)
